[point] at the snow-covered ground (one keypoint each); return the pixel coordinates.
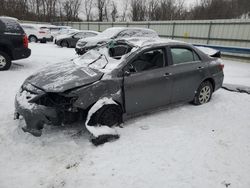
(182, 147)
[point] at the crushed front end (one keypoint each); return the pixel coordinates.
(39, 107)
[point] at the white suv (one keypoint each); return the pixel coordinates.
(36, 32)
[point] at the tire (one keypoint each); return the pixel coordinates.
(44, 40)
(33, 38)
(109, 115)
(204, 93)
(5, 61)
(64, 43)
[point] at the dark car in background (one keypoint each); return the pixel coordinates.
(13, 42)
(70, 40)
(84, 45)
(115, 81)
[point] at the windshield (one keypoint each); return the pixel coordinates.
(102, 58)
(92, 59)
(109, 32)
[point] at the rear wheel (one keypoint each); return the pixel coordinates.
(5, 61)
(204, 93)
(64, 43)
(33, 38)
(109, 115)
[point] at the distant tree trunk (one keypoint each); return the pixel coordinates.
(114, 11)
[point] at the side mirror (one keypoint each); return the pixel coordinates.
(131, 68)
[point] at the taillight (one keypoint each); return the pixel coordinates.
(221, 66)
(42, 32)
(25, 41)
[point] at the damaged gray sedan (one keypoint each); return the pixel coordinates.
(115, 81)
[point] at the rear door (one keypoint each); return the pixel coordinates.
(147, 84)
(188, 71)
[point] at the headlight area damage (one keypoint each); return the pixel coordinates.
(38, 108)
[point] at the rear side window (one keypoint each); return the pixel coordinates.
(11, 26)
(183, 55)
(89, 34)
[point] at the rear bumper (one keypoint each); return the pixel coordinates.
(35, 116)
(20, 53)
(218, 79)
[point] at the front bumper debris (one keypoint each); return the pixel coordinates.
(35, 116)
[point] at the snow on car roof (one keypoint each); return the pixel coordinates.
(7, 17)
(115, 30)
(141, 42)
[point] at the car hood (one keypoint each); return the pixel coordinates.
(92, 41)
(64, 76)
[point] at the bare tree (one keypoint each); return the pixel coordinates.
(88, 5)
(154, 12)
(124, 12)
(71, 9)
(100, 6)
(114, 11)
(138, 10)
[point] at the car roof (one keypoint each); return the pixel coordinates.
(7, 17)
(129, 28)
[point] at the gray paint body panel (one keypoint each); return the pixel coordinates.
(135, 93)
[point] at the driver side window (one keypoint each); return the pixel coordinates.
(149, 60)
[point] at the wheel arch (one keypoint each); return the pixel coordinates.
(92, 109)
(32, 35)
(6, 49)
(211, 80)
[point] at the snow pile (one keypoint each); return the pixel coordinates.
(182, 146)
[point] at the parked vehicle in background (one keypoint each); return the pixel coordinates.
(115, 81)
(55, 30)
(13, 42)
(63, 32)
(84, 45)
(37, 32)
(70, 40)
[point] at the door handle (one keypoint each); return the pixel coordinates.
(199, 68)
(167, 74)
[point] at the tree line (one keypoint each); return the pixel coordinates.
(132, 10)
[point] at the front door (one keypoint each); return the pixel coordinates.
(148, 83)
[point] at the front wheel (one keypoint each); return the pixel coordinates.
(109, 115)
(5, 61)
(64, 43)
(204, 93)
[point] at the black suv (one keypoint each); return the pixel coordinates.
(13, 42)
